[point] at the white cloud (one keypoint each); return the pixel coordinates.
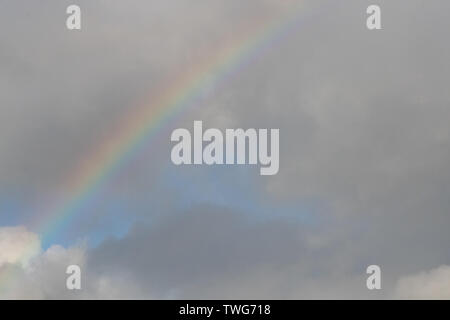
(27, 272)
(17, 245)
(433, 284)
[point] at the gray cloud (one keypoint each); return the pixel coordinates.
(363, 120)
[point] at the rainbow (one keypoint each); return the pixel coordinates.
(146, 120)
(140, 125)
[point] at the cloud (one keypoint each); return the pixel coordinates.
(17, 245)
(26, 271)
(42, 275)
(363, 119)
(432, 284)
(214, 252)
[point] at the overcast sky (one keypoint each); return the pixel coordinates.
(364, 151)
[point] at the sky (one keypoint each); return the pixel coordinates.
(364, 150)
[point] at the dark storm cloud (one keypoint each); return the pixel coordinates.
(198, 245)
(214, 252)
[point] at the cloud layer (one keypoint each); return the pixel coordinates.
(364, 151)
